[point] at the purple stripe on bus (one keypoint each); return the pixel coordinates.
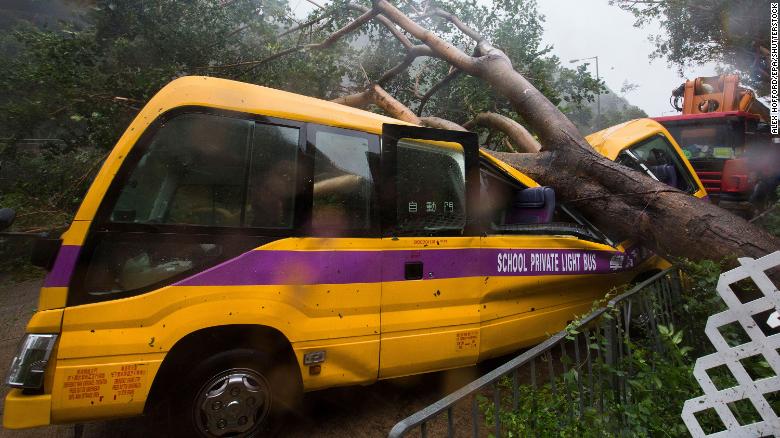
(60, 273)
(292, 267)
(437, 263)
(343, 267)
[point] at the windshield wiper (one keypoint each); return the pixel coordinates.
(641, 164)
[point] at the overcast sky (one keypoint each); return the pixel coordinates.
(584, 28)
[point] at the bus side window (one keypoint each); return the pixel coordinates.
(272, 177)
(192, 173)
(660, 158)
(344, 197)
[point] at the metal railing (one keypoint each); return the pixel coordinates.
(569, 367)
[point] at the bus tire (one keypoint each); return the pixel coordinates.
(235, 393)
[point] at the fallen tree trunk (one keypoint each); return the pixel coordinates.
(625, 203)
(628, 203)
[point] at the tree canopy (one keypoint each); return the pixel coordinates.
(734, 33)
(83, 80)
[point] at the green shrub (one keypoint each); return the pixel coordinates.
(640, 395)
(649, 405)
(45, 186)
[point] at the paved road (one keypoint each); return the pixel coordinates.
(369, 411)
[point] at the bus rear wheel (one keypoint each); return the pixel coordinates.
(236, 393)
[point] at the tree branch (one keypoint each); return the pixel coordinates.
(493, 66)
(306, 24)
(413, 53)
(447, 51)
(436, 87)
(437, 122)
(348, 28)
(327, 42)
(378, 96)
(463, 27)
(316, 4)
(518, 135)
(403, 39)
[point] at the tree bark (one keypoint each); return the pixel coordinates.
(521, 139)
(437, 122)
(381, 98)
(623, 203)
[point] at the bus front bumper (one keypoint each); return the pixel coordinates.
(24, 411)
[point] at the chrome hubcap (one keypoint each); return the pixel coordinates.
(232, 403)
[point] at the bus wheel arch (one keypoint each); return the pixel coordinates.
(205, 344)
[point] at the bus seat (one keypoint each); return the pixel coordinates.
(665, 174)
(533, 205)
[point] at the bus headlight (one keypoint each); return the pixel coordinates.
(29, 364)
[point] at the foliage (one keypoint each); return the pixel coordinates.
(45, 186)
(770, 219)
(79, 84)
(732, 32)
(641, 394)
(700, 298)
(657, 387)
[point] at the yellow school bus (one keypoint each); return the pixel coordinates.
(242, 245)
(646, 146)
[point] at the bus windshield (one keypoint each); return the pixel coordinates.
(706, 140)
(659, 159)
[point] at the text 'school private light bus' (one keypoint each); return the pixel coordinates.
(242, 244)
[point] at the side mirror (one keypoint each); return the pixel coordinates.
(7, 216)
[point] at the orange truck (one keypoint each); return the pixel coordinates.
(723, 131)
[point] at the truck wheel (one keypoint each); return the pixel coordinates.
(236, 393)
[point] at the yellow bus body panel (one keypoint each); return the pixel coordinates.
(428, 316)
(23, 411)
(519, 311)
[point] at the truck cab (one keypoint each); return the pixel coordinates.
(723, 132)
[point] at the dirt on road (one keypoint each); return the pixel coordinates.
(365, 411)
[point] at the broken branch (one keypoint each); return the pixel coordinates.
(377, 95)
(517, 134)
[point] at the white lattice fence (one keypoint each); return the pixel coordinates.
(759, 344)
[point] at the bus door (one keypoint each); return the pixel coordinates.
(430, 265)
(545, 264)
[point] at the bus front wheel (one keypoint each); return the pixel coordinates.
(235, 393)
